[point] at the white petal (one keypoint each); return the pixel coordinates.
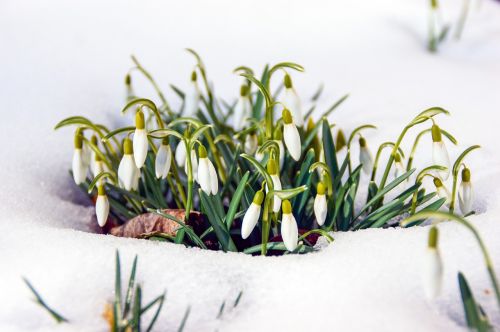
(320, 209)
(440, 157)
(251, 144)
(214, 180)
(292, 102)
(432, 273)
(204, 175)
(180, 154)
(140, 142)
(399, 169)
(86, 154)
(289, 232)
(366, 159)
(292, 140)
(250, 220)
(277, 186)
(242, 111)
(79, 167)
(162, 161)
(260, 156)
(136, 178)
(127, 172)
(465, 197)
(282, 153)
(443, 192)
(102, 209)
(191, 100)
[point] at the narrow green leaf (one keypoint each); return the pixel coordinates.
(130, 289)
(235, 201)
(184, 320)
(39, 300)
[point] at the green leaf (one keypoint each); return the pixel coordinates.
(216, 222)
(148, 103)
(335, 106)
(290, 65)
(458, 162)
(117, 131)
(184, 319)
(471, 308)
(280, 246)
(162, 133)
(259, 168)
(118, 290)
(130, 289)
(257, 106)
(235, 201)
(288, 193)
(39, 300)
(157, 313)
(329, 150)
(136, 310)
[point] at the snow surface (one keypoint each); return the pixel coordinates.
(63, 58)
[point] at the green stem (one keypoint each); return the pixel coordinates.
(266, 223)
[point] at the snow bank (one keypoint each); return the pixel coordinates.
(65, 59)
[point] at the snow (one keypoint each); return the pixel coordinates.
(61, 59)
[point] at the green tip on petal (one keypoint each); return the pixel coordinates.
(362, 142)
(128, 80)
(466, 175)
(164, 141)
(288, 81)
(127, 146)
(101, 191)
(433, 237)
(320, 189)
(287, 116)
(244, 90)
(397, 158)
(437, 182)
(259, 197)
(202, 152)
(139, 120)
(286, 206)
(271, 167)
(194, 76)
(78, 139)
(436, 133)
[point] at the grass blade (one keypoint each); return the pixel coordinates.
(235, 201)
(39, 300)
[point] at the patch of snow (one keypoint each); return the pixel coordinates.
(65, 59)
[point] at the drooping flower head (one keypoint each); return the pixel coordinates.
(242, 109)
(163, 160)
(289, 229)
(79, 167)
(101, 206)
(399, 168)
(140, 140)
(251, 143)
(207, 176)
(320, 205)
(128, 173)
(440, 155)
(432, 273)
(252, 215)
(365, 156)
(442, 191)
(291, 135)
(465, 192)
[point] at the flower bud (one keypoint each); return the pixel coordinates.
(365, 156)
(128, 173)
(207, 176)
(140, 140)
(465, 192)
(163, 160)
(102, 206)
(320, 205)
(289, 229)
(251, 143)
(442, 191)
(292, 102)
(432, 275)
(291, 135)
(440, 155)
(252, 215)
(79, 167)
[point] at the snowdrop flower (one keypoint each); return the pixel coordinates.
(320, 208)
(399, 168)
(252, 215)
(163, 160)
(289, 229)
(207, 176)
(273, 172)
(340, 142)
(192, 97)
(442, 191)
(140, 140)
(79, 166)
(86, 154)
(433, 267)
(194, 165)
(292, 102)
(180, 154)
(291, 135)
(101, 206)
(440, 155)
(465, 193)
(251, 143)
(99, 167)
(128, 173)
(365, 156)
(243, 109)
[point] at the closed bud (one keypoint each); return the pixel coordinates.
(289, 229)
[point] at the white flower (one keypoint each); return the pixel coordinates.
(163, 160)
(99, 167)
(442, 191)
(365, 156)
(180, 154)
(102, 206)
(79, 166)
(289, 229)
(320, 207)
(292, 102)
(194, 165)
(242, 109)
(291, 135)
(259, 156)
(252, 215)
(273, 172)
(282, 153)
(207, 176)
(192, 97)
(440, 155)
(432, 270)
(140, 140)
(86, 154)
(128, 173)
(465, 192)
(251, 143)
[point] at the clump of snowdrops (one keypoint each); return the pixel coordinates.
(267, 174)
